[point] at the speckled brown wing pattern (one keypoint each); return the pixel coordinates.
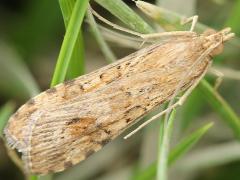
(65, 124)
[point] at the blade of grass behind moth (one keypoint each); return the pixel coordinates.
(110, 57)
(221, 107)
(76, 65)
(165, 132)
(33, 177)
(176, 153)
(167, 19)
(233, 19)
(119, 9)
(212, 156)
(40, 26)
(18, 81)
(194, 100)
(5, 113)
(69, 41)
(187, 143)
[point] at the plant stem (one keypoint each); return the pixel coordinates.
(76, 65)
(69, 41)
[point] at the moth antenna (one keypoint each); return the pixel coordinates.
(178, 89)
(193, 19)
(144, 36)
(219, 79)
(184, 96)
(115, 26)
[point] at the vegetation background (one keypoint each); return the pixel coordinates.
(203, 135)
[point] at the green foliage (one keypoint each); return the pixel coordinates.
(15, 75)
(69, 41)
(221, 107)
(5, 113)
(164, 141)
(76, 64)
(110, 57)
(120, 10)
(177, 152)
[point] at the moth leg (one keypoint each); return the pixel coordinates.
(152, 119)
(115, 26)
(219, 79)
(168, 34)
(144, 36)
(178, 103)
(192, 19)
(170, 108)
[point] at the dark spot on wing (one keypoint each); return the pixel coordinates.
(132, 109)
(128, 93)
(105, 141)
(69, 82)
(31, 102)
(72, 121)
(107, 131)
(89, 153)
(128, 120)
(51, 90)
(77, 126)
(81, 87)
(101, 76)
(68, 164)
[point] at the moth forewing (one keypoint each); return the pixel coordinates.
(66, 124)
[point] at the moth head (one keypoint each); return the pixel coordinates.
(215, 40)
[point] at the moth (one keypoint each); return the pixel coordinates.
(64, 125)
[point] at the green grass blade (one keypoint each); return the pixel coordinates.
(233, 19)
(33, 177)
(177, 152)
(5, 113)
(187, 143)
(167, 19)
(221, 106)
(165, 132)
(40, 21)
(211, 157)
(76, 65)
(110, 57)
(194, 100)
(69, 41)
(119, 9)
(18, 81)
